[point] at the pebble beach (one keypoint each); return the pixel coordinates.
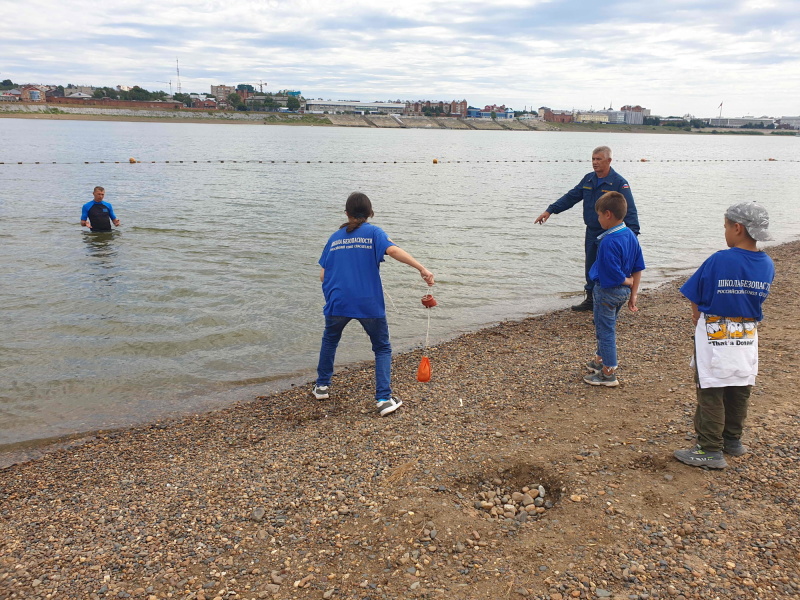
(505, 476)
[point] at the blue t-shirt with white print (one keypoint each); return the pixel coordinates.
(352, 283)
(731, 283)
(618, 257)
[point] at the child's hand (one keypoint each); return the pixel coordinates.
(632, 303)
(427, 276)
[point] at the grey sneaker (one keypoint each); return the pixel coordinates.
(594, 367)
(697, 457)
(734, 447)
(321, 392)
(601, 378)
(386, 407)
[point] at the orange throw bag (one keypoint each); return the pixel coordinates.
(424, 370)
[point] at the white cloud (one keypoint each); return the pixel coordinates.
(675, 57)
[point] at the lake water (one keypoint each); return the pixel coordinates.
(209, 291)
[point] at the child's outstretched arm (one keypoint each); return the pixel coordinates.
(397, 253)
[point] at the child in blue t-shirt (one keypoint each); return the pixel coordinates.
(726, 294)
(97, 214)
(616, 274)
(351, 284)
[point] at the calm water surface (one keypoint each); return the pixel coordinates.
(209, 291)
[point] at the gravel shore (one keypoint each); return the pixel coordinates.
(505, 476)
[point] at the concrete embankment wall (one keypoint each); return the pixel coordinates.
(383, 121)
(348, 120)
(127, 112)
(380, 121)
(449, 123)
(483, 123)
(420, 123)
(515, 125)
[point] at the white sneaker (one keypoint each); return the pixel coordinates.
(321, 392)
(386, 407)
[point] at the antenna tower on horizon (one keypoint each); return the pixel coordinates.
(178, 71)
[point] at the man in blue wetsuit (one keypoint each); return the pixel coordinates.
(97, 214)
(601, 180)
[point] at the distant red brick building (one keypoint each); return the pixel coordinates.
(110, 103)
(555, 116)
(204, 103)
(32, 93)
(447, 109)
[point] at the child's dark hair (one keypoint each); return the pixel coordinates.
(613, 201)
(358, 208)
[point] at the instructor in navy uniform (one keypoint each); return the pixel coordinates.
(602, 179)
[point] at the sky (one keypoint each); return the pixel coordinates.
(675, 57)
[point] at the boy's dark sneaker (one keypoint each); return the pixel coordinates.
(602, 379)
(697, 457)
(388, 406)
(594, 367)
(321, 392)
(586, 305)
(734, 447)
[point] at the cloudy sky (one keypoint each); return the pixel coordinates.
(674, 57)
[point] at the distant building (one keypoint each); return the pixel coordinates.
(790, 122)
(221, 92)
(741, 122)
(556, 116)
(204, 102)
(615, 117)
(499, 112)
(74, 89)
(32, 93)
(12, 95)
(111, 103)
(349, 106)
(591, 117)
(456, 108)
(635, 115)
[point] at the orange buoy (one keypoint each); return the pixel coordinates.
(424, 370)
(428, 301)
(436, 161)
(131, 160)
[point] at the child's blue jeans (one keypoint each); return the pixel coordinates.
(378, 332)
(607, 304)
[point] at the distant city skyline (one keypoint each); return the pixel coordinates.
(676, 57)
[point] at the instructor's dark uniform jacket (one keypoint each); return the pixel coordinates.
(589, 190)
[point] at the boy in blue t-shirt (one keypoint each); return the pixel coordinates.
(616, 274)
(351, 284)
(97, 214)
(726, 293)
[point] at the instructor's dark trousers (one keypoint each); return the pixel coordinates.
(591, 245)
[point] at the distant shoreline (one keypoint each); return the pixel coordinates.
(367, 122)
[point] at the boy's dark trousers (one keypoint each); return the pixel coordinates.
(720, 414)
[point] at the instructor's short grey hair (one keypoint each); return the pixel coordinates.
(602, 150)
